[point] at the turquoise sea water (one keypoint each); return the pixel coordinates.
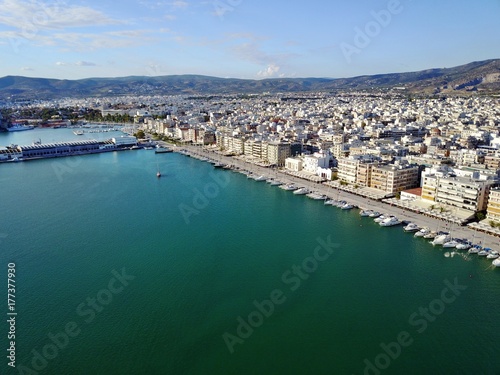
(203, 248)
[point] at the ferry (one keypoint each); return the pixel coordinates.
(19, 128)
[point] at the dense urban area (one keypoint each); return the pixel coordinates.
(434, 155)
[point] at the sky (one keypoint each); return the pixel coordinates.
(252, 39)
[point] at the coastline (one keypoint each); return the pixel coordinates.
(422, 220)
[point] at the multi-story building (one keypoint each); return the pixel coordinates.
(461, 192)
(277, 152)
(357, 169)
(394, 178)
(493, 208)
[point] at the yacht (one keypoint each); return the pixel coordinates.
(422, 232)
(493, 255)
(301, 191)
(390, 221)
(451, 244)
(331, 202)
(260, 178)
(365, 213)
(463, 245)
(441, 239)
(275, 183)
(379, 218)
(288, 187)
(496, 262)
(347, 206)
(316, 196)
(411, 227)
(475, 249)
(375, 214)
(484, 252)
(78, 132)
(431, 235)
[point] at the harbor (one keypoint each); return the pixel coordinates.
(326, 190)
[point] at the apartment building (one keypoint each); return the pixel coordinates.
(393, 178)
(493, 207)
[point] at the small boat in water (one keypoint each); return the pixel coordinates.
(365, 213)
(441, 239)
(289, 187)
(493, 255)
(496, 262)
(347, 206)
(451, 244)
(411, 227)
(475, 249)
(422, 232)
(389, 222)
(301, 191)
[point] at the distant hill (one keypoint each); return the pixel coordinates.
(480, 76)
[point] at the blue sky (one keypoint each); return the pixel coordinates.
(243, 38)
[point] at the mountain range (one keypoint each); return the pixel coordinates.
(480, 77)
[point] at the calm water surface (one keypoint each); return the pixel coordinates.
(198, 250)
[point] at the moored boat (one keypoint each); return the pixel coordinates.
(422, 232)
(365, 213)
(390, 221)
(411, 227)
(301, 191)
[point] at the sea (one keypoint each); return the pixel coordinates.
(204, 271)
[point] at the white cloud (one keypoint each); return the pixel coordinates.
(27, 69)
(85, 63)
(179, 4)
(270, 71)
(61, 63)
(33, 16)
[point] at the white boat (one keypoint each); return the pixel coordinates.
(484, 252)
(19, 128)
(431, 235)
(475, 249)
(347, 206)
(422, 232)
(493, 255)
(330, 202)
(78, 132)
(301, 191)
(375, 214)
(289, 187)
(260, 178)
(275, 183)
(464, 245)
(441, 239)
(496, 262)
(365, 213)
(379, 218)
(316, 196)
(389, 222)
(411, 227)
(451, 244)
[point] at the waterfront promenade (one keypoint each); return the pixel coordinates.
(362, 202)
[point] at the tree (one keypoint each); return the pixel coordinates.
(140, 134)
